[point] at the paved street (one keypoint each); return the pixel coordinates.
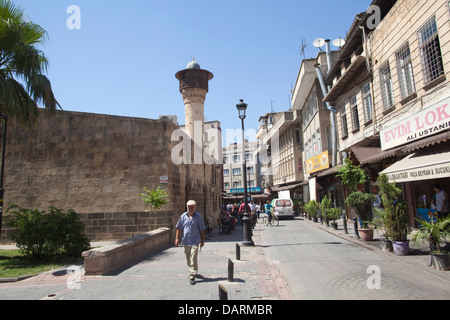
(319, 265)
(297, 260)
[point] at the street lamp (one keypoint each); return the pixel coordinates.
(246, 222)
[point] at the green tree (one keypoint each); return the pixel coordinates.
(22, 62)
(352, 175)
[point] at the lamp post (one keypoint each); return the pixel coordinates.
(246, 222)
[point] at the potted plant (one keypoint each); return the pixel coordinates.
(381, 222)
(397, 224)
(325, 206)
(334, 214)
(435, 232)
(312, 207)
(362, 202)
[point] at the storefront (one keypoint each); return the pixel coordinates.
(418, 172)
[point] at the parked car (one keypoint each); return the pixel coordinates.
(283, 208)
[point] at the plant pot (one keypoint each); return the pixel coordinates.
(315, 219)
(334, 225)
(401, 248)
(365, 234)
(386, 245)
(440, 261)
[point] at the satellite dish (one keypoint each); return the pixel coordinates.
(319, 43)
(339, 43)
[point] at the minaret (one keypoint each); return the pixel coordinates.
(194, 87)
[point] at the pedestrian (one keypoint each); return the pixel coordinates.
(192, 229)
(258, 209)
(442, 206)
(252, 208)
(269, 209)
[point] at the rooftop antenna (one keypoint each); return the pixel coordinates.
(303, 47)
(319, 43)
(272, 110)
(339, 43)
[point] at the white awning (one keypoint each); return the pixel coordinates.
(422, 165)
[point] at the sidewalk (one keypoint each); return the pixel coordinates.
(419, 256)
(164, 276)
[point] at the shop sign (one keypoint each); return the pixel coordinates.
(425, 123)
(428, 172)
(318, 163)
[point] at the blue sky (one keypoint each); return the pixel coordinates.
(124, 58)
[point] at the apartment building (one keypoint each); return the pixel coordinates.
(391, 90)
(280, 146)
(233, 175)
(316, 128)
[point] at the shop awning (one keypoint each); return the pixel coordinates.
(421, 165)
(284, 188)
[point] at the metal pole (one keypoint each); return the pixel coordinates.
(246, 223)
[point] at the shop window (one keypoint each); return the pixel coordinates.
(430, 51)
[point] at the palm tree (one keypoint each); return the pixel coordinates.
(21, 60)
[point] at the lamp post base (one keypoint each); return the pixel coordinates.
(247, 228)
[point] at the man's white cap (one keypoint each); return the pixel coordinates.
(191, 203)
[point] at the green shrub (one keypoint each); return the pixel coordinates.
(38, 233)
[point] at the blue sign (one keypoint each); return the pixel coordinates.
(241, 190)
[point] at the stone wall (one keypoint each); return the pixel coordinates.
(97, 165)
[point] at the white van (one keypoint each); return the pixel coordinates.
(283, 208)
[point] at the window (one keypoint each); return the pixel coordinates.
(355, 114)
(430, 51)
(237, 172)
(226, 172)
(319, 142)
(248, 156)
(328, 132)
(405, 71)
(387, 92)
(314, 145)
(367, 102)
(344, 123)
(225, 159)
(237, 184)
(226, 185)
(298, 137)
(306, 150)
(251, 170)
(236, 158)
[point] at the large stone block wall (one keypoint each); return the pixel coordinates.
(97, 165)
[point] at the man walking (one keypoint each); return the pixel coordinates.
(192, 228)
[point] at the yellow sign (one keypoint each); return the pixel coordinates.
(318, 163)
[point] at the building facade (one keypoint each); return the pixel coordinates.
(98, 165)
(391, 92)
(233, 175)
